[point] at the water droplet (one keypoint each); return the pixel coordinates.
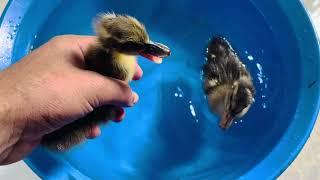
(259, 67)
(180, 95)
(235, 122)
(264, 106)
(176, 94)
(190, 102)
(250, 58)
(35, 36)
(192, 110)
(246, 52)
(241, 120)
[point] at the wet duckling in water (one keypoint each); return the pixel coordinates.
(120, 39)
(227, 83)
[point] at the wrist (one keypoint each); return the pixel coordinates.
(10, 133)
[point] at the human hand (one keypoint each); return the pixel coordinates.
(48, 89)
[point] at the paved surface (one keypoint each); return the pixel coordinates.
(306, 166)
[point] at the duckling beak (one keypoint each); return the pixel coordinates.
(226, 121)
(155, 52)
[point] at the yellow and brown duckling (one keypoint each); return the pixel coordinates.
(121, 39)
(227, 83)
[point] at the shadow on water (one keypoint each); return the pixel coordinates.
(178, 132)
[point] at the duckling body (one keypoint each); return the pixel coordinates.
(227, 83)
(120, 40)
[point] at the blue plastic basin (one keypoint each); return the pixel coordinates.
(170, 133)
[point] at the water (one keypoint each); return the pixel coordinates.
(170, 133)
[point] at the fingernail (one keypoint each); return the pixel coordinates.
(135, 98)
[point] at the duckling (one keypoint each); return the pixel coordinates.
(227, 83)
(121, 38)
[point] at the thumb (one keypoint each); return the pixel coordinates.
(101, 90)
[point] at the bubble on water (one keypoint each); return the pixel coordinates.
(180, 95)
(246, 52)
(250, 57)
(263, 96)
(35, 36)
(190, 102)
(197, 120)
(176, 94)
(235, 122)
(241, 120)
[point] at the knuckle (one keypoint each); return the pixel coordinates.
(126, 93)
(62, 39)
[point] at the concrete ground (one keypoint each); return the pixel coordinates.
(306, 165)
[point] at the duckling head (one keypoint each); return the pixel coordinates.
(231, 101)
(125, 34)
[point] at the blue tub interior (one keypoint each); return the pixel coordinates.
(170, 133)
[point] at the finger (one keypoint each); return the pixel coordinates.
(102, 90)
(84, 42)
(95, 132)
(119, 114)
(138, 74)
(19, 151)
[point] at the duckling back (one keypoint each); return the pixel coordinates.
(223, 65)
